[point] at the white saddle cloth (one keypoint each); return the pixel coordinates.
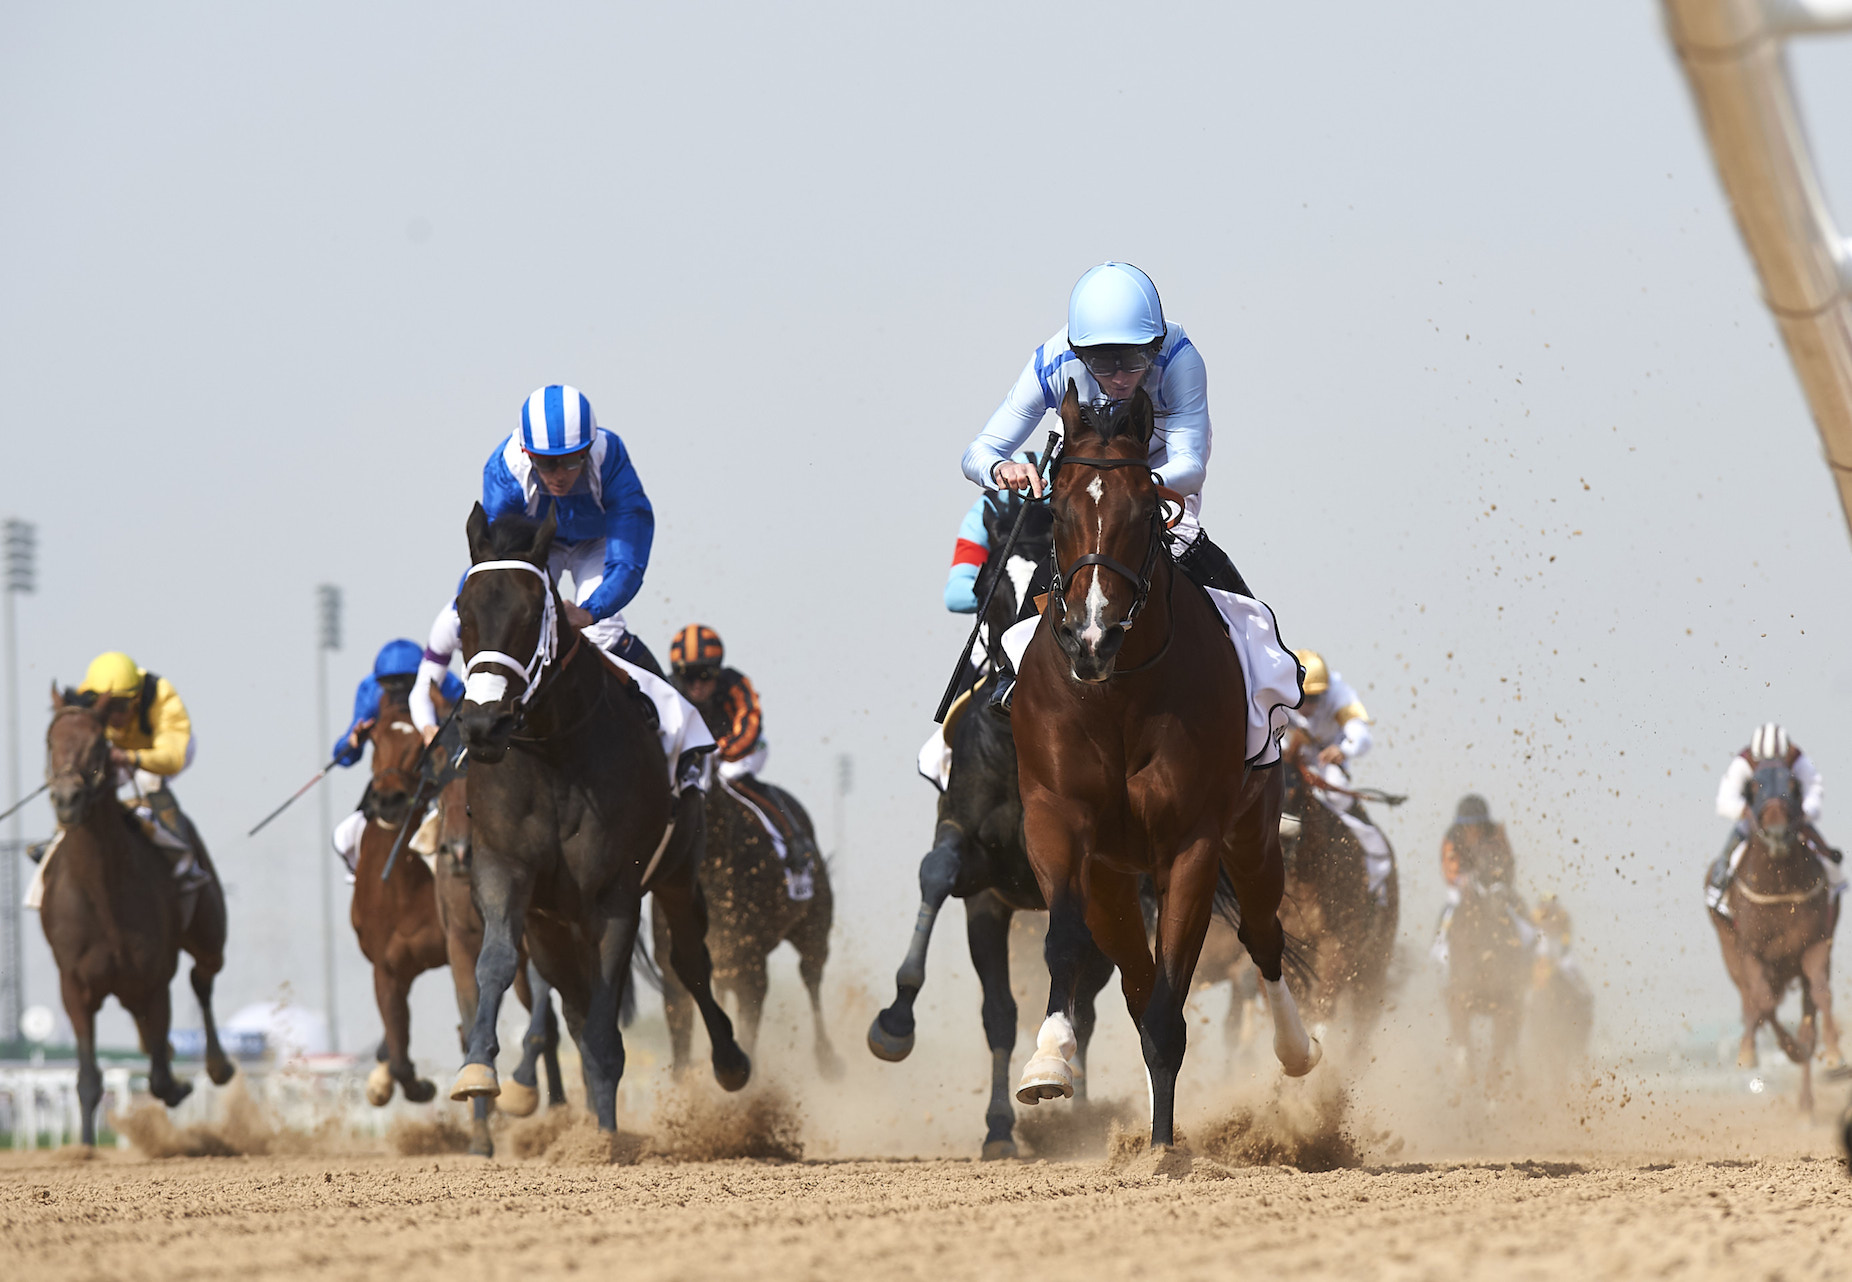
(679, 723)
(1270, 670)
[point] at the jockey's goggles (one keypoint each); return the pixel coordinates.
(1107, 359)
(698, 671)
(561, 462)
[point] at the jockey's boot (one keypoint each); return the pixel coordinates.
(691, 770)
(1210, 567)
(171, 834)
(630, 649)
(801, 853)
(1002, 690)
(1832, 862)
(1717, 879)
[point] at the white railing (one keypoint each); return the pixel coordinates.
(38, 1106)
(1734, 55)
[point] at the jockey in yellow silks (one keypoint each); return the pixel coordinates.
(150, 741)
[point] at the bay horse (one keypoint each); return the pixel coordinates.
(1131, 747)
(572, 819)
(1488, 976)
(113, 915)
(978, 853)
(749, 915)
(1780, 931)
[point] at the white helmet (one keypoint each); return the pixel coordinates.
(1114, 303)
(1768, 742)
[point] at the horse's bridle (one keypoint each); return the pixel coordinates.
(1140, 579)
(95, 782)
(489, 687)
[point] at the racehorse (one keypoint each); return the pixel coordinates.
(749, 915)
(113, 914)
(572, 819)
(1488, 973)
(1350, 937)
(978, 853)
(1131, 718)
(1780, 931)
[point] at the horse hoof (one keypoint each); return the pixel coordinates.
(221, 1070)
(1300, 1067)
(518, 1100)
(732, 1071)
(419, 1091)
(1746, 1058)
(379, 1086)
(886, 1045)
(474, 1080)
(997, 1150)
(1045, 1077)
(176, 1093)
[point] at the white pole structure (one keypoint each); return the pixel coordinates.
(1734, 55)
(21, 576)
(845, 779)
(328, 638)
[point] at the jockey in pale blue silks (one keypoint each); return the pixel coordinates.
(395, 666)
(561, 460)
(1115, 342)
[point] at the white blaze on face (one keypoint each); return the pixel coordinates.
(1093, 613)
(1095, 489)
(485, 687)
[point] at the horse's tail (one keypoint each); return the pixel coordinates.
(1294, 957)
(642, 967)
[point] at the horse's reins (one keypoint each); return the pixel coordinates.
(1140, 579)
(1377, 795)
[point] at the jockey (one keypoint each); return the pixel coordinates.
(972, 550)
(1116, 340)
(560, 459)
(1769, 742)
(730, 707)
(395, 669)
(150, 741)
(1474, 846)
(1338, 727)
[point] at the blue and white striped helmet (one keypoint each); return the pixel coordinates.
(557, 420)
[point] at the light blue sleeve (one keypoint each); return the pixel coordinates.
(1185, 424)
(1009, 427)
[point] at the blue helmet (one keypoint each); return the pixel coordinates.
(398, 659)
(1114, 303)
(557, 420)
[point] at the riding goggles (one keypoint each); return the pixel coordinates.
(1107, 359)
(555, 463)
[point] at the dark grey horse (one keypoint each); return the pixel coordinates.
(572, 819)
(978, 853)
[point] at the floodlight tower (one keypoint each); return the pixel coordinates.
(21, 576)
(328, 639)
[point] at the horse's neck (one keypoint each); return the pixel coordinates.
(1791, 867)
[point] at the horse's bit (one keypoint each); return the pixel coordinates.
(489, 687)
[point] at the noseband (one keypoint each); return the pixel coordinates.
(490, 687)
(1140, 579)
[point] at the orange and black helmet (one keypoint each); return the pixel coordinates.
(696, 646)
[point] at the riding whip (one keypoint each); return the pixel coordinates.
(951, 687)
(7, 813)
(417, 809)
(317, 778)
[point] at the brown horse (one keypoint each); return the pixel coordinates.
(1488, 971)
(749, 915)
(1131, 750)
(1780, 929)
(113, 915)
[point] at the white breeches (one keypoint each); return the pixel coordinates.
(679, 724)
(1378, 863)
(347, 839)
(585, 562)
(143, 782)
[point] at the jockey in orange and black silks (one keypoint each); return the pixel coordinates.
(1770, 742)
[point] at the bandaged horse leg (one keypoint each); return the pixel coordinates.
(890, 1036)
(1050, 1072)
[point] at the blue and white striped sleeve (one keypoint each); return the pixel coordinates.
(1009, 427)
(1185, 425)
(630, 530)
(501, 493)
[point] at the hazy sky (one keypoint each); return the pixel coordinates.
(1502, 426)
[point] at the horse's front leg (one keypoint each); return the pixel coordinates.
(684, 907)
(392, 987)
(82, 1014)
(890, 1036)
(1057, 850)
(1185, 897)
(602, 1039)
(1758, 1005)
(502, 890)
(1816, 967)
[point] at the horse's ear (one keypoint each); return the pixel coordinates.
(101, 707)
(543, 537)
(1070, 411)
(57, 696)
(1142, 416)
(478, 530)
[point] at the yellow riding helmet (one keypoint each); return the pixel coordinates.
(1317, 675)
(113, 673)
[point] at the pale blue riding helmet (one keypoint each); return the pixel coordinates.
(557, 420)
(1114, 303)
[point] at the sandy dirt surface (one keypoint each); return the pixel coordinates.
(411, 1218)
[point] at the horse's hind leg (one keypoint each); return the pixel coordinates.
(987, 930)
(1095, 970)
(501, 891)
(890, 1036)
(521, 1093)
(152, 1022)
(1816, 972)
(685, 908)
(811, 938)
(82, 1014)
(206, 942)
(392, 990)
(677, 1006)
(1259, 885)
(602, 1040)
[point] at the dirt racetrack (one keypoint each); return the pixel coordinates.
(408, 1218)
